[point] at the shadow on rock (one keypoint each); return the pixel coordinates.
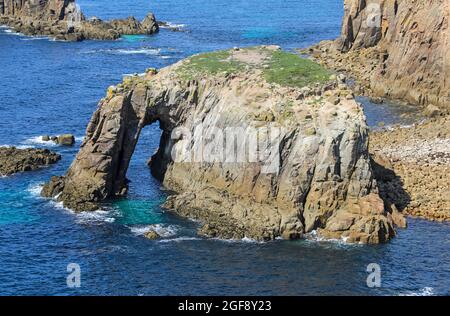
(391, 187)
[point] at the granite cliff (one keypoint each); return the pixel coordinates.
(63, 20)
(255, 143)
(394, 48)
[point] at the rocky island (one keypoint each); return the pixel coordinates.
(14, 160)
(63, 20)
(256, 143)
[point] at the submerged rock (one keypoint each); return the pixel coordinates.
(64, 20)
(244, 155)
(14, 160)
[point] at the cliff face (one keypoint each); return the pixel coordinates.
(46, 10)
(308, 168)
(64, 20)
(398, 48)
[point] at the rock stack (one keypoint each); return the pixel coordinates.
(304, 164)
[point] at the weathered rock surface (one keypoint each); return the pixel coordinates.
(395, 48)
(412, 167)
(14, 160)
(66, 140)
(63, 20)
(309, 170)
(152, 235)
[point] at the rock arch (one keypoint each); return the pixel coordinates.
(323, 180)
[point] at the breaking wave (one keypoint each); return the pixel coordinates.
(127, 51)
(426, 291)
(164, 231)
(35, 189)
(179, 239)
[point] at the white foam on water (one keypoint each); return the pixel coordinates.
(126, 51)
(179, 239)
(37, 140)
(142, 51)
(96, 216)
(35, 189)
(426, 291)
(170, 25)
(164, 231)
(60, 206)
(314, 237)
(16, 146)
(11, 32)
(79, 139)
(99, 216)
(243, 240)
(134, 75)
(35, 38)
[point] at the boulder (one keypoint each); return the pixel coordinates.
(66, 140)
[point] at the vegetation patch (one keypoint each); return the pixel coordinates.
(209, 64)
(291, 70)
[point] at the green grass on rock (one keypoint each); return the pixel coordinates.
(287, 69)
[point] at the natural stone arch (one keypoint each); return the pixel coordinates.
(323, 180)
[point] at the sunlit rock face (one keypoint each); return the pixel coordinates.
(247, 151)
(64, 20)
(397, 48)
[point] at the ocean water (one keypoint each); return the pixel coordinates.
(51, 87)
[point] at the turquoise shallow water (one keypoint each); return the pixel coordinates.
(53, 87)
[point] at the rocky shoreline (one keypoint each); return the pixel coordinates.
(399, 50)
(416, 163)
(394, 49)
(63, 20)
(14, 160)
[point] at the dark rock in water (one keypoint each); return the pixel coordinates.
(66, 140)
(13, 160)
(45, 138)
(63, 20)
(315, 175)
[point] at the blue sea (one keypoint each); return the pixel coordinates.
(51, 87)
